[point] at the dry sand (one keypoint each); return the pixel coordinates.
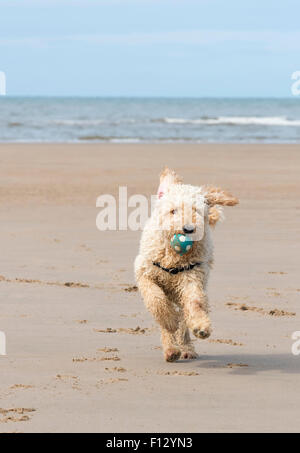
(77, 361)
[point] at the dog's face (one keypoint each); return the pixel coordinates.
(188, 210)
(183, 210)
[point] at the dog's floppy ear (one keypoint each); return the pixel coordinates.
(215, 195)
(167, 178)
(215, 214)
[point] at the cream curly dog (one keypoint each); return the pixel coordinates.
(173, 278)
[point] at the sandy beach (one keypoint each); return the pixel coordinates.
(83, 355)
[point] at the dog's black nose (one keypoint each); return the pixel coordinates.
(188, 229)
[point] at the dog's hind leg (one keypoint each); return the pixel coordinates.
(184, 342)
(171, 351)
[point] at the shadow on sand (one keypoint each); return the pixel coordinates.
(246, 364)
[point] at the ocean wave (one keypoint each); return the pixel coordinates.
(125, 140)
(236, 121)
(205, 120)
(100, 138)
(77, 122)
(92, 122)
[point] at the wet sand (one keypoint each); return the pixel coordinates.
(83, 355)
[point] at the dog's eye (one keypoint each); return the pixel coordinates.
(173, 212)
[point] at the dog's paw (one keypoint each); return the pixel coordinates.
(202, 333)
(189, 355)
(171, 355)
(201, 327)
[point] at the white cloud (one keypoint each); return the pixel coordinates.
(70, 3)
(267, 40)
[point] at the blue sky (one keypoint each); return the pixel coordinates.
(149, 47)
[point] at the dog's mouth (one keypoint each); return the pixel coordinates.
(196, 236)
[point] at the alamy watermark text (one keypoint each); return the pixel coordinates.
(296, 85)
(2, 343)
(2, 83)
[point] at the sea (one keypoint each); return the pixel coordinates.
(149, 120)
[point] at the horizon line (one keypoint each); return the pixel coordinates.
(50, 96)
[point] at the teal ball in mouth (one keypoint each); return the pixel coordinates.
(181, 243)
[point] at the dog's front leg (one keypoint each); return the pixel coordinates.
(158, 304)
(195, 306)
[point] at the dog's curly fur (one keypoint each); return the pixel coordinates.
(179, 302)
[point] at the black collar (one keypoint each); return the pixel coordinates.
(176, 270)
